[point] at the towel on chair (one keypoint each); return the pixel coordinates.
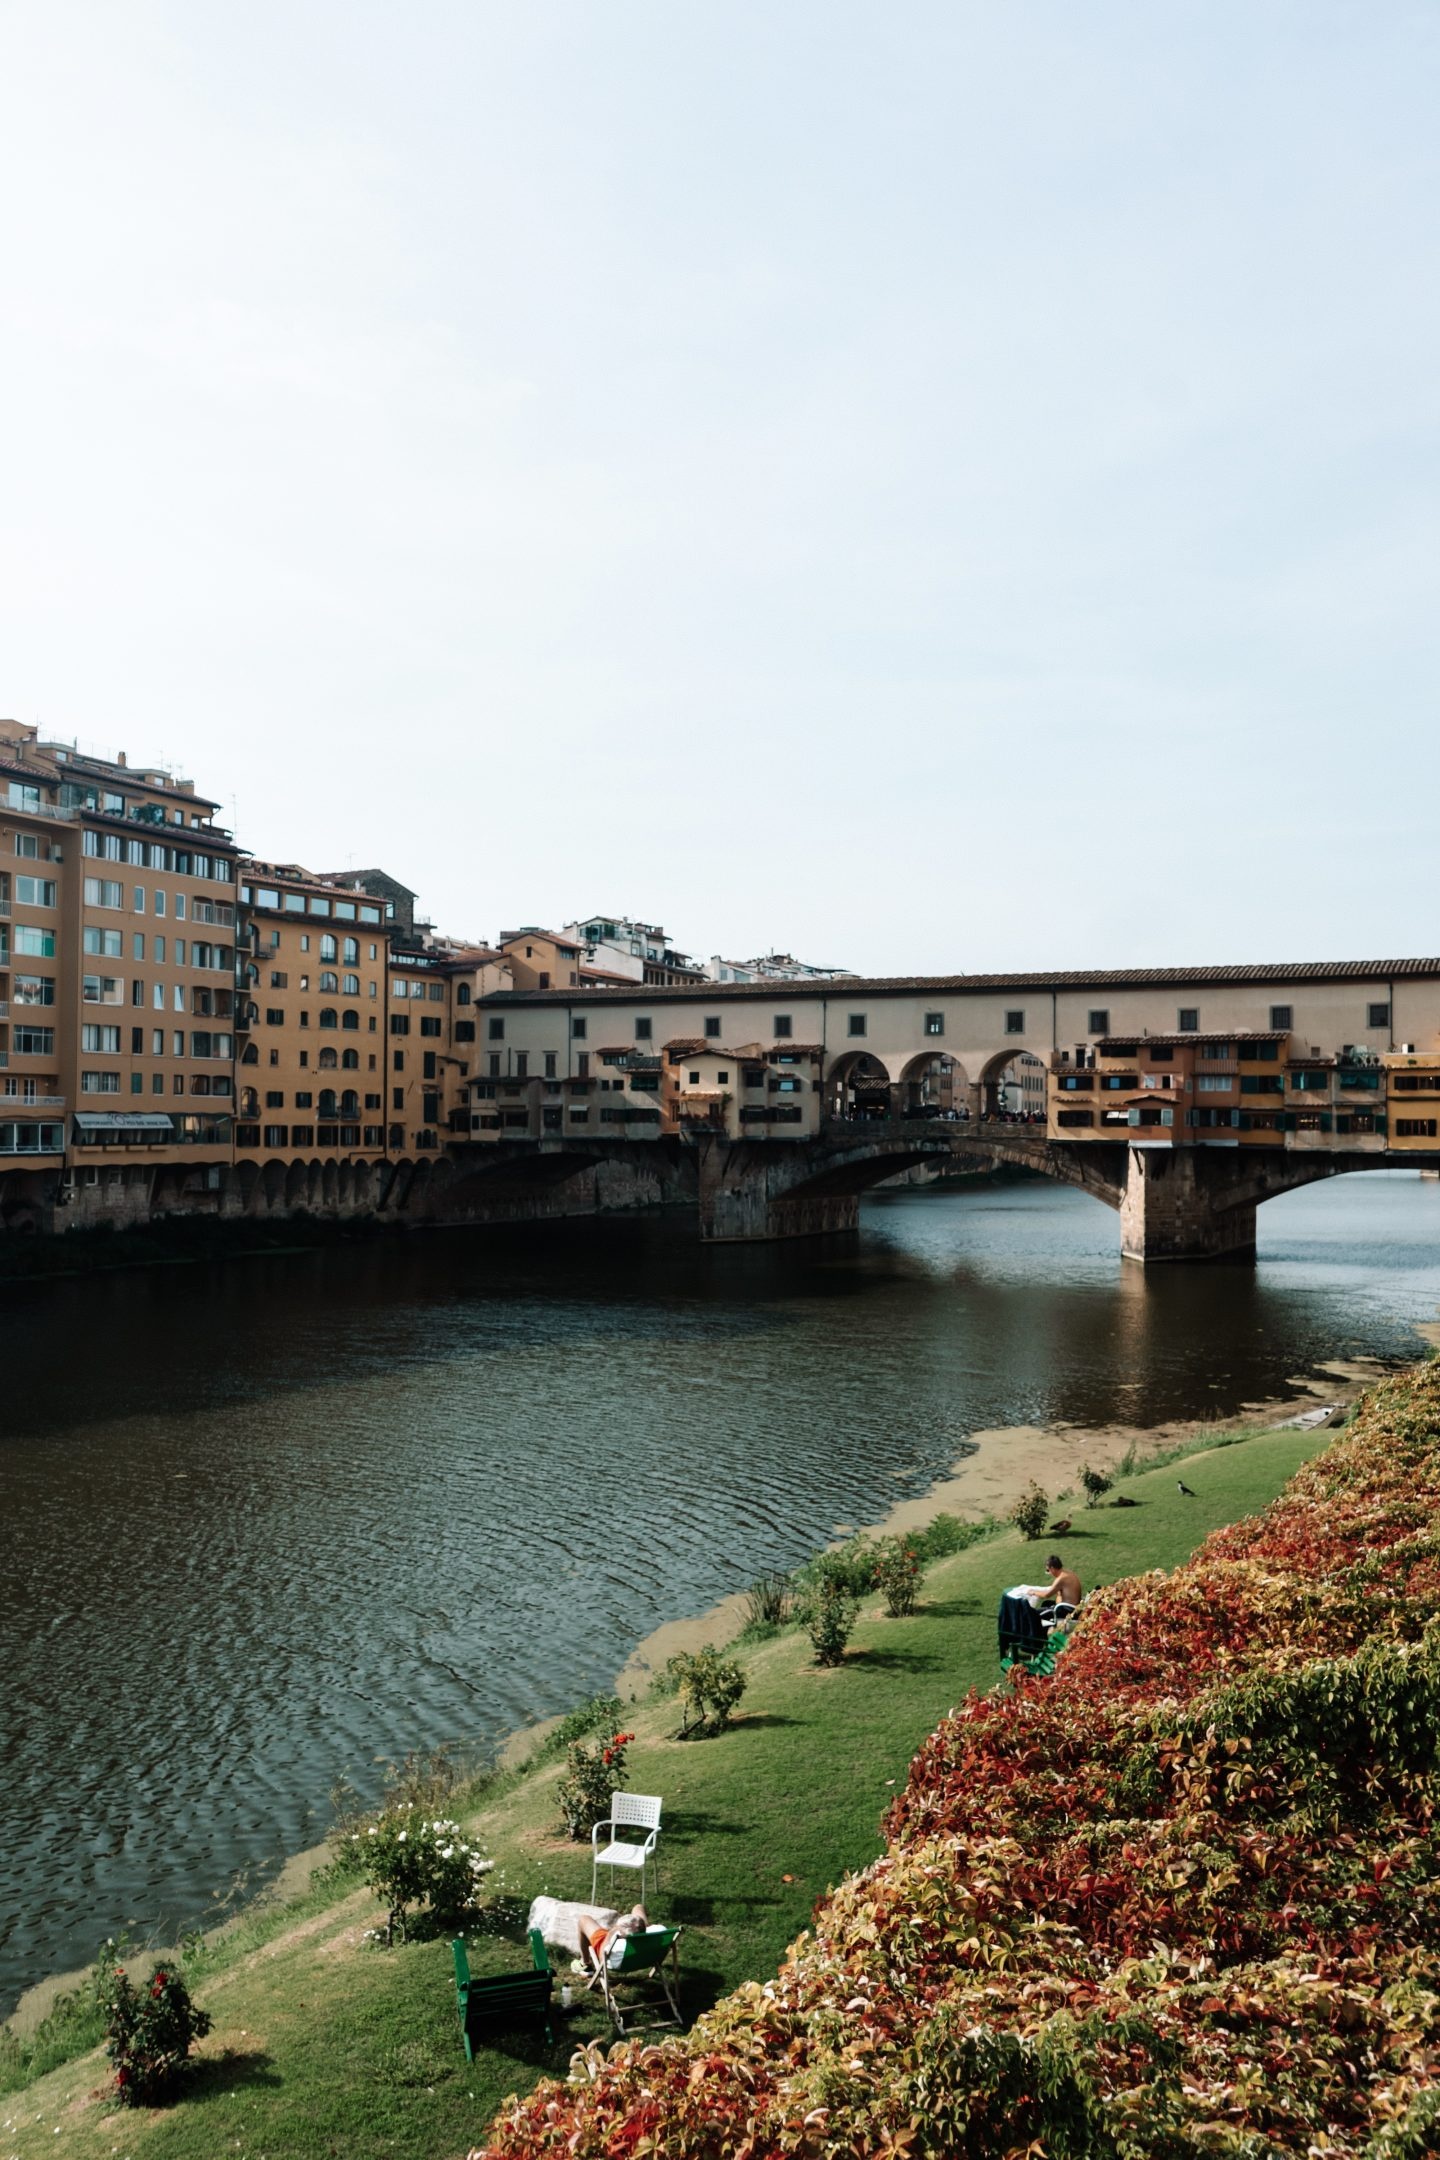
(558, 1921)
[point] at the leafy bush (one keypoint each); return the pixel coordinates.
(709, 1686)
(946, 1534)
(828, 1613)
(411, 1859)
(1183, 1900)
(849, 1567)
(149, 2033)
(1096, 1484)
(1031, 1512)
(601, 1713)
(767, 1603)
(591, 1776)
(896, 1571)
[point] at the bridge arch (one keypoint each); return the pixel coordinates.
(933, 1081)
(1011, 1084)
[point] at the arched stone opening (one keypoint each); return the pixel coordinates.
(934, 1084)
(1011, 1088)
(857, 1088)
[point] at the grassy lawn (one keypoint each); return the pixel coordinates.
(323, 2047)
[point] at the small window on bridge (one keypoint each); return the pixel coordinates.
(1188, 1020)
(1282, 1017)
(1014, 1023)
(577, 1028)
(783, 1025)
(643, 1030)
(712, 1023)
(1377, 1016)
(934, 1023)
(1099, 1022)
(857, 1024)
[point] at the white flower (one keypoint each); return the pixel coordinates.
(373, 1831)
(400, 1837)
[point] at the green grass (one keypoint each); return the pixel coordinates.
(325, 2048)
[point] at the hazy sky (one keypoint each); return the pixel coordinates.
(929, 486)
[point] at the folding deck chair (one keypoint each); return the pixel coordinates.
(629, 1961)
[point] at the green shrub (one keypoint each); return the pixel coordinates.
(1031, 1512)
(601, 1713)
(767, 1603)
(709, 1686)
(828, 1613)
(1096, 1484)
(946, 1534)
(896, 1571)
(591, 1776)
(849, 1567)
(411, 1859)
(149, 2033)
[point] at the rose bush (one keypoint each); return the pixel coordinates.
(592, 1774)
(149, 2031)
(1182, 1900)
(409, 1858)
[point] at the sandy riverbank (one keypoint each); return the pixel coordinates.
(998, 1466)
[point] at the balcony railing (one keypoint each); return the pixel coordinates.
(22, 1105)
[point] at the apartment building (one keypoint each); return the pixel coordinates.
(619, 951)
(1243, 1089)
(311, 1071)
(117, 932)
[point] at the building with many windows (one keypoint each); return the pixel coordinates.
(117, 991)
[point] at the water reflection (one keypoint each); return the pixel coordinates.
(270, 1520)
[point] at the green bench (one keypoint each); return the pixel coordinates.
(499, 2002)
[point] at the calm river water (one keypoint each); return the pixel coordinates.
(268, 1521)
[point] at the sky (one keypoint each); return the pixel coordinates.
(927, 487)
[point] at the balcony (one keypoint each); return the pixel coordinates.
(22, 1105)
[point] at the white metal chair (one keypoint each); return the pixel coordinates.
(628, 1811)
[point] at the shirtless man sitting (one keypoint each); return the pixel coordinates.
(1064, 1582)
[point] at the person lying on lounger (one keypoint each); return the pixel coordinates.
(601, 1940)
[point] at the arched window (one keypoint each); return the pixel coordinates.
(350, 1103)
(462, 993)
(352, 952)
(329, 980)
(327, 1103)
(348, 1019)
(327, 1016)
(327, 1059)
(249, 1102)
(350, 1059)
(327, 947)
(351, 986)
(250, 1055)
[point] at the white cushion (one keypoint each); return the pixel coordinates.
(618, 1854)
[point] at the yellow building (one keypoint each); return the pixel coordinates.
(1413, 1107)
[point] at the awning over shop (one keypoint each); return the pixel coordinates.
(131, 1124)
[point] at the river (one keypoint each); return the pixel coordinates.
(268, 1521)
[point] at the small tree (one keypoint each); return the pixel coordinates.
(149, 2033)
(709, 1686)
(1031, 1512)
(591, 1775)
(410, 1859)
(897, 1573)
(1096, 1484)
(829, 1615)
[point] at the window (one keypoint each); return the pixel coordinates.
(465, 1031)
(934, 1023)
(782, 1026)
(160, 950)
(1098, 1020)
(857, 1024)
(330, 981)
(428, 1065)
(329, 950)
(397, 1060)
(277, 1136)
(38, 989)
(352, 952)
(26, 844)
(275, 1099)
(462, 992)
(644, 1030)
(1214, 1084)
(32, 1041)
(1014, 1023)
(1377, 1016)
(577, 1029)
(1282, 1018)
(39, 891)
(107, 943)
(712, 1024)
(328, 1016)
(102, 892)
(1187, 1020)
(494, 1064)
(100, 1040)
(279, 980)
(274, 1016)
(23, 797)
(99, 1083)
(550, 1064)
(351, 986)
(137, 1083)
(159, 900)
(429, 1025)
(137, 899)
(1415, 1128)
(399, 1023)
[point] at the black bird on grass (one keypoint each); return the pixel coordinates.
(1188, 1490)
